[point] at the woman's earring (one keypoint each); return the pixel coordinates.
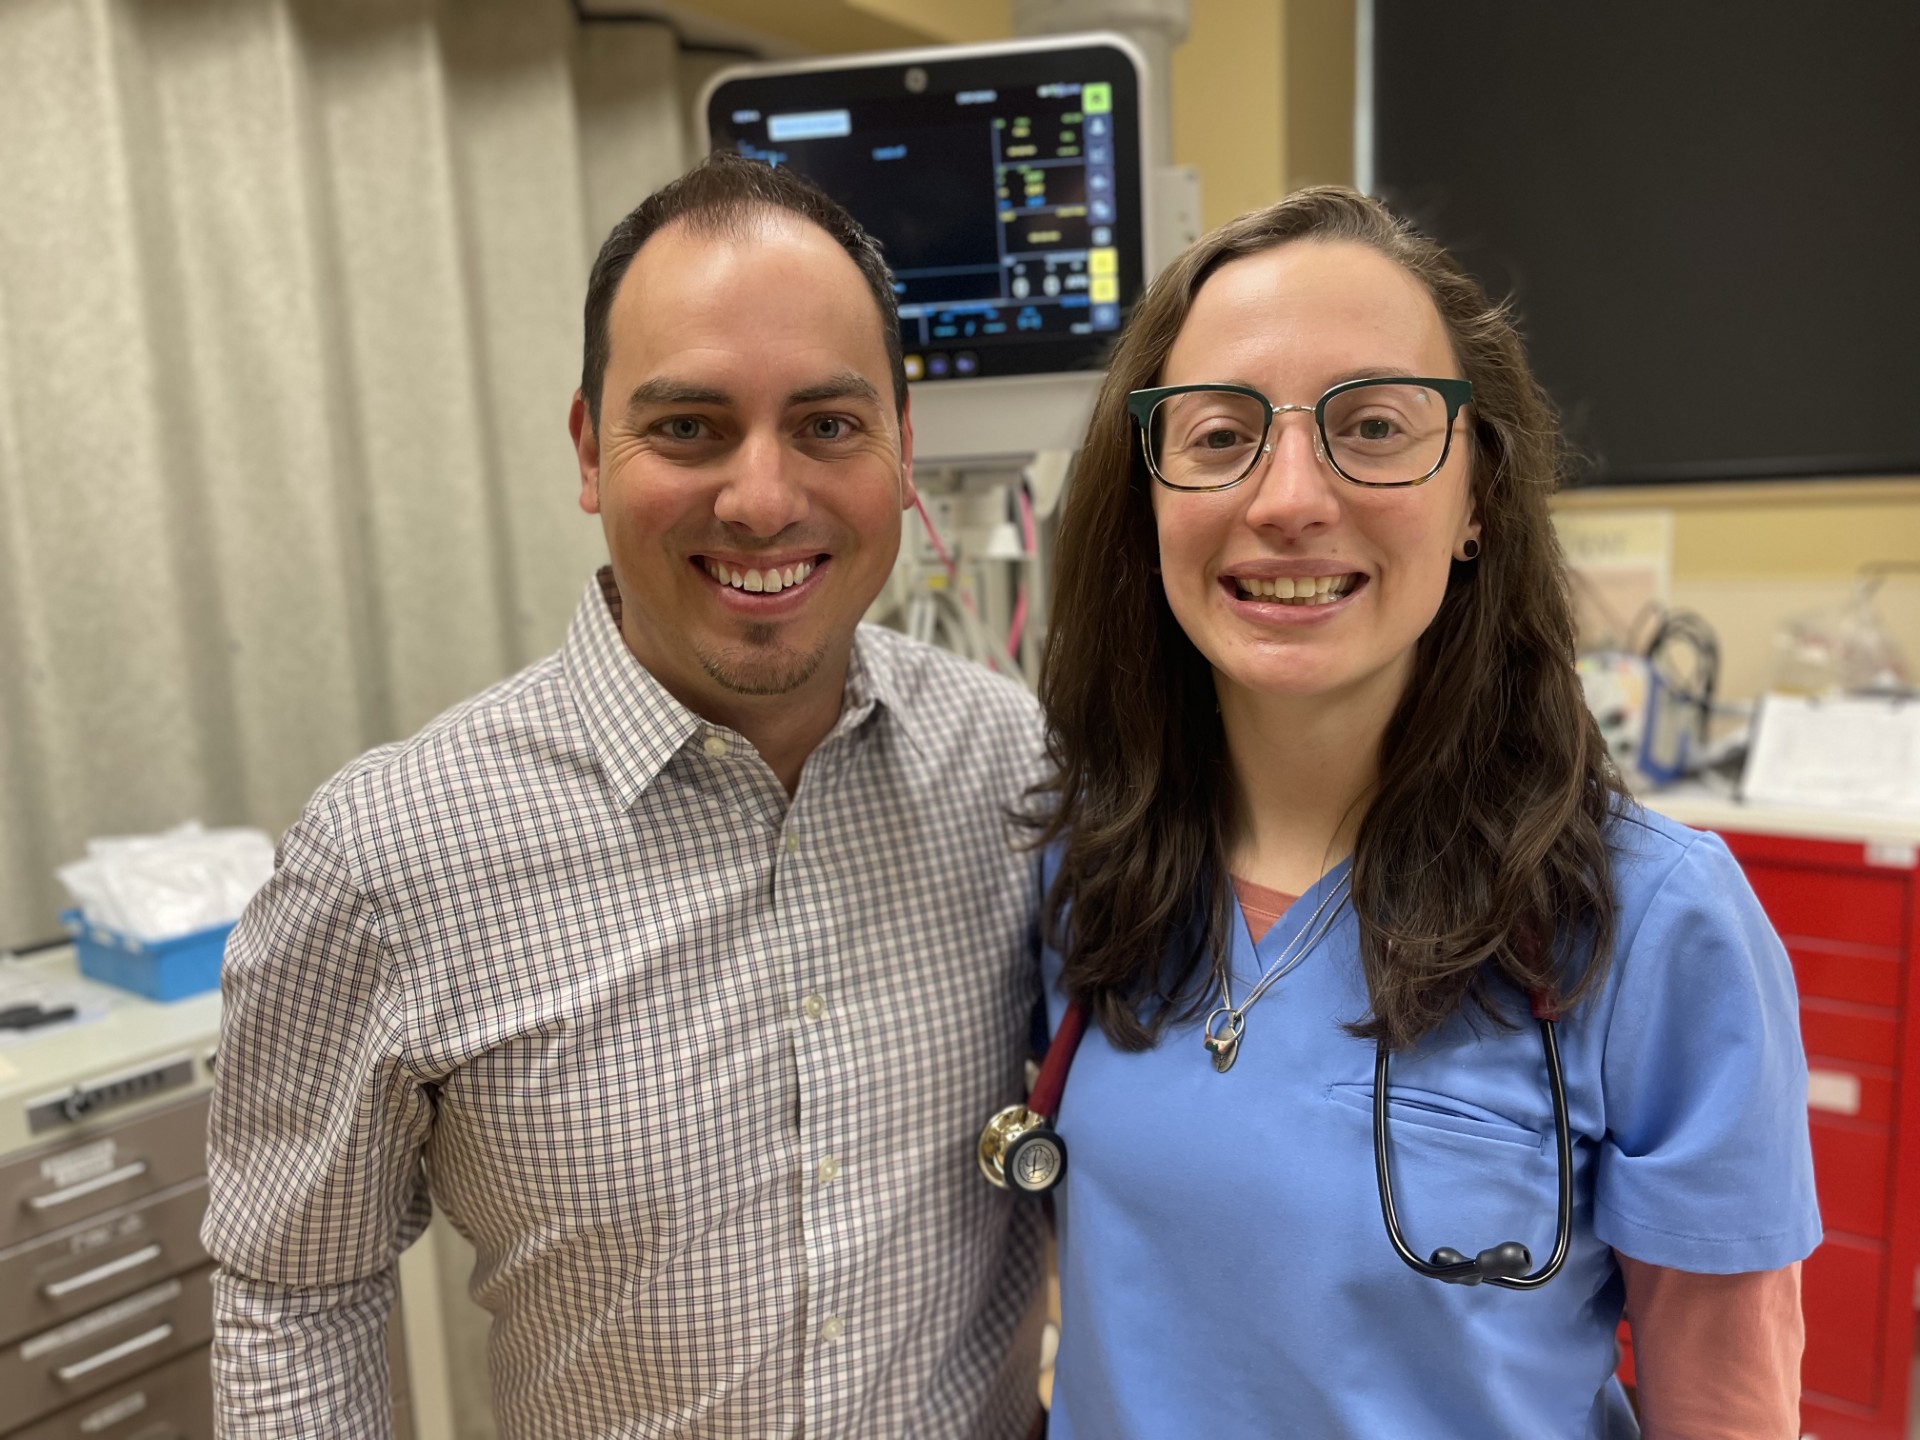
(1470, 549)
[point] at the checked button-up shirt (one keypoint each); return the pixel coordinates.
(699, 1069)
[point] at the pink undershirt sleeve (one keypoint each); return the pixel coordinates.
(1715, 1357)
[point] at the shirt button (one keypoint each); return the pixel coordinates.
(829, 1170)
(831, 1328)
(793, 843)
(715, 745)
(814, 1007)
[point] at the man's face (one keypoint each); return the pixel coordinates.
(749, 468)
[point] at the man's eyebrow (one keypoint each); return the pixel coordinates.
(662, 391)
(846, 384)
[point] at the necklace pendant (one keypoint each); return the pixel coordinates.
(1223, 1038)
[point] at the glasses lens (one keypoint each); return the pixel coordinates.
(1384, 433)
(1201, 439)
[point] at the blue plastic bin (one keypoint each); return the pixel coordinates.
(162, 970)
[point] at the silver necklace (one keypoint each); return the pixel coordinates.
(1228, 1021)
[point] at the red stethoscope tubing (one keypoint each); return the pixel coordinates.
(1045, 1099)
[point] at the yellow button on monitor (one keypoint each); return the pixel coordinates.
(1097, 98)
(1105, 287)
(1105, 261)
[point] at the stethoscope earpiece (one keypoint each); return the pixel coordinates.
(1508, 1261)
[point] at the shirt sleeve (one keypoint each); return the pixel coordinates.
(313, 1164)
(1715, 1357)
(1705, 1164)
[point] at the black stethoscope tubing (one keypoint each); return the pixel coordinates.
(1505, 1265)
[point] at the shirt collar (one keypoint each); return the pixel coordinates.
(637, 727)
(875, 680)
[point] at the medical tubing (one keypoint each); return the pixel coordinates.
(1381, 1170)
(1544, 1010)
(1563, 1143)
(1045, 1099)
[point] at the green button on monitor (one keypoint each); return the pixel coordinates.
(1096, 99)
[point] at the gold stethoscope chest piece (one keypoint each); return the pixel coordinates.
(1000, 1133)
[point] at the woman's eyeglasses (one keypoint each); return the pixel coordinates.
(1384, 434)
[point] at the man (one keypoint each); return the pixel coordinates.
(680, 969)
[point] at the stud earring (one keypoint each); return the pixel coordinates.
(1470, 549)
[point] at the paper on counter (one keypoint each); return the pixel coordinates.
(1835, 754)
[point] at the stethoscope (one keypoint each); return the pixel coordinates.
(1020, 1150)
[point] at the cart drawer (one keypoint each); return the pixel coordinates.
(49, 1189)
(101, 1349)
(173, 1401)
(72, 1271)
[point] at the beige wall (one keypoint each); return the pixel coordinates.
(1263, 100)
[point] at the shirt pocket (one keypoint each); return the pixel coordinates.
(1430, 1111)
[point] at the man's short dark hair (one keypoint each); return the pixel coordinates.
(721, 196)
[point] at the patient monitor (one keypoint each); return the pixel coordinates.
(1005, 183)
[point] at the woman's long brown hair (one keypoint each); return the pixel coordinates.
(1481, 858)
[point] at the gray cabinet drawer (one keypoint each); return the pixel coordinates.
(173, 1401)
(51, 1188)
(71, 1271)
(79, 1358)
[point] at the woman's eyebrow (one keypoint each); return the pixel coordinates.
(1372, 372)
(1364, 372)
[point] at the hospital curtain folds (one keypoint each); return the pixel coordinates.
(289, 299)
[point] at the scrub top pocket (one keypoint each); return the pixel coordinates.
(1429, 1110)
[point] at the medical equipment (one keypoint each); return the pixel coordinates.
(1006, 185)
(1507, 1264)
(1020, 1149)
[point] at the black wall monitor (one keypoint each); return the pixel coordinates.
(1003, 181)
(1706, 214)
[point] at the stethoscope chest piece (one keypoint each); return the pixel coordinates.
(1020, 1150)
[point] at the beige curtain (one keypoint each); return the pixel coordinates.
(289, 320)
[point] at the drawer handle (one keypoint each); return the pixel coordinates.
(67, 1374)
(60, 1289)
(87, 1187)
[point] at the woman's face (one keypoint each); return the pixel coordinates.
(1292, 322)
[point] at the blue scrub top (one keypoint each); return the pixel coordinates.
(1224, 1268)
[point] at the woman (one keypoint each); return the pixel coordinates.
(1312, 640)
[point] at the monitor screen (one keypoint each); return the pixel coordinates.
(1003, 183)
(1705, 215)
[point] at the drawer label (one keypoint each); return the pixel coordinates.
(71, 1167)
(124, 1228)
(125, 1408)
(103, 1319)
(1834, 1090)
(1893, 854)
